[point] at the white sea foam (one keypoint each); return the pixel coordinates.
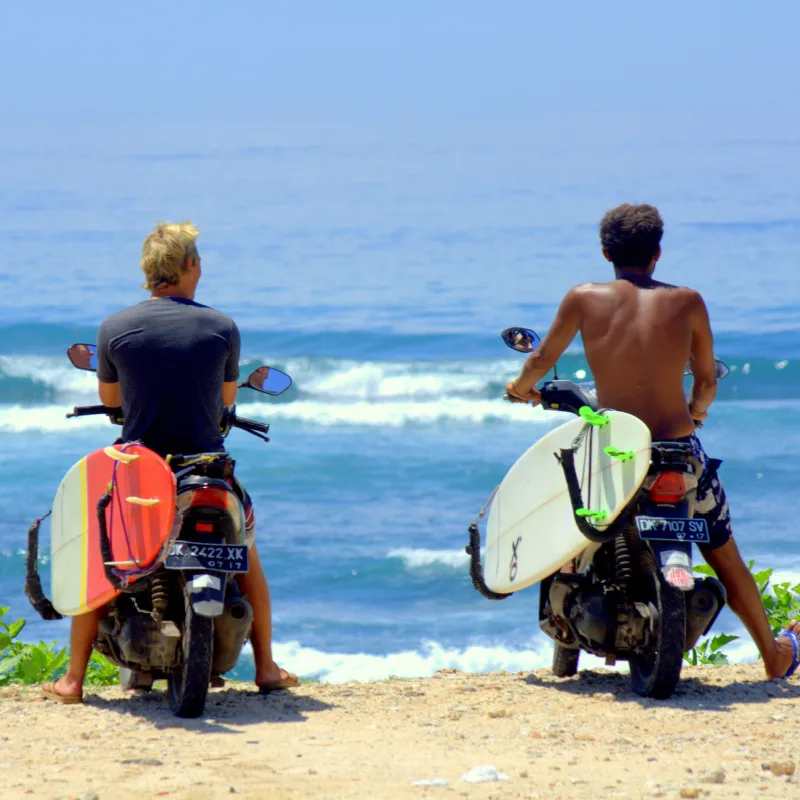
(327, 667)
(26, 419)
(55, 373)
(308, 662)
(396, 414)
(416, 559)
(375, 380)
(330, 379)
(23, 419)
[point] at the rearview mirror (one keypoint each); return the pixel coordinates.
(83, 356)
(524, 340)
(268, 380)
(721, 369)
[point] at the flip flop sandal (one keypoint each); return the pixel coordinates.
(795, 640)
(274, 686)
(50, 693)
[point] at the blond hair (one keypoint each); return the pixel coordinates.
(165, 253)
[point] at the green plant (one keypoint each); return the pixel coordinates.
(709, 651)
(26, 663)
(781, 602)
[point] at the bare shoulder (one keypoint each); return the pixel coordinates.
(582, 290)
(690, 297)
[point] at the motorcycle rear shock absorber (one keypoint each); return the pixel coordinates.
(623, 559)
(159, 592)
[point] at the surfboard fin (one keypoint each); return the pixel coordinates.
(592, 417)
(621, 455)
(587, 513)
(143, 501)
(118, 455)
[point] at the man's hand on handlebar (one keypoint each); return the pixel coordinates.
(698, 416)
(534, 396)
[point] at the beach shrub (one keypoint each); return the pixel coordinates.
(709, 651)
(27, 663)
(781, 602)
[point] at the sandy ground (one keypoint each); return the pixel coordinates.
(726, 733)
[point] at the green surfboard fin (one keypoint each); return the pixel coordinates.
(597, 516)
(622, 455)
(592, 417)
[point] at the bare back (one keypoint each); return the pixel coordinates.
(638, 342)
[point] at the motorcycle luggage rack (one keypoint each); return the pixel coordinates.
(673, 455)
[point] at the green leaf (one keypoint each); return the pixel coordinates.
(720, 640)
(704, 569)
(9, 665)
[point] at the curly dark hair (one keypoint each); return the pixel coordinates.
(631, 234)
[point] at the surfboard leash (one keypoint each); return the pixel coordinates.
(473, 550)
(33, 583)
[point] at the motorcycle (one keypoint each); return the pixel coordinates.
(185, 620)
(632, 596)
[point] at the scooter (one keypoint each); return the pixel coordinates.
(185, 618)
(632, 595)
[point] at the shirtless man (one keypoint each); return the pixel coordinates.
(638, 335)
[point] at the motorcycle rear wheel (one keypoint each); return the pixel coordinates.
(565, 661)
(188, 684)
(656, 672)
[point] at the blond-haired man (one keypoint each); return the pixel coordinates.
(172, 365)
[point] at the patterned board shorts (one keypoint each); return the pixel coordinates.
(711, 505)
(249, 514)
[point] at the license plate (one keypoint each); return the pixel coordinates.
(199, 555)
(673, 530)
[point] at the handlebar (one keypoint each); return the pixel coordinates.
(259, 429)
(564, 395)
(250, 425)
(86, 411)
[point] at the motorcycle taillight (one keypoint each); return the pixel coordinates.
(669, 487)
(210, 496)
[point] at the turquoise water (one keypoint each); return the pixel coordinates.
(378, 266)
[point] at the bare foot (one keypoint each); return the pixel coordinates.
(216, 682)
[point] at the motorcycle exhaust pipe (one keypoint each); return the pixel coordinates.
(231, 630)
(702, 609)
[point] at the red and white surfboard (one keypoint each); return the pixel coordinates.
(144, 497)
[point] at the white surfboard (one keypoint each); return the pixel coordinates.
(531, 530)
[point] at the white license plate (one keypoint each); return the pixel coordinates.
(673, 530)
(199, 555)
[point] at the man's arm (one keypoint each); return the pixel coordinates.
(704, 387)
(110, 394)
(232, 368)
(565, 325)
(108, 381)
(229, 393)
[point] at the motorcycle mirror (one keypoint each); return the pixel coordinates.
(523, 340)
(83, 356)
(721, 369)
(268, 380)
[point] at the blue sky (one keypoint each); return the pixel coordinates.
(352, 56)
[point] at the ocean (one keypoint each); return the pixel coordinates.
(377, 264)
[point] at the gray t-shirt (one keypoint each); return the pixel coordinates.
(170, 357)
